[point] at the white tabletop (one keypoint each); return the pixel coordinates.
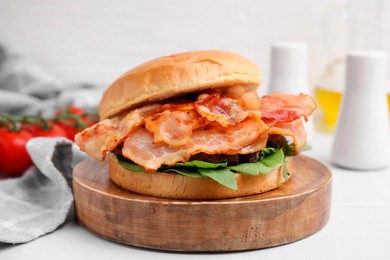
(358, 228)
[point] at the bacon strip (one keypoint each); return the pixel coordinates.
(107, 134)
(247, 137)
(293, 129)
(225, 111)
(174, 127)
(283, 108)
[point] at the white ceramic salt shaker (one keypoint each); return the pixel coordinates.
(288, 68)
(362, 140)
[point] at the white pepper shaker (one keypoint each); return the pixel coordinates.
(362, 140)
(288, 68)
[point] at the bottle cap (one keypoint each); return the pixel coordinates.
(288, 68)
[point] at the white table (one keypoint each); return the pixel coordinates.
(359, 227)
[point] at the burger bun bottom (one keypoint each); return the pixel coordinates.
(176, 186)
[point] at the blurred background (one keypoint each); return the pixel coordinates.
(86, 43)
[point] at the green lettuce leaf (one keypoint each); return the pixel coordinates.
(289, 149)
(305, 148)
(201, 164)
(130, 165)
(271, 159)
(185, 172)
(223, 176)
(286, 173)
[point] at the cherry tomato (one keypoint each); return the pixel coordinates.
(70, 130)
(14, 158)
(71, 126)
(55, 130)
(71, 110)
(76, 110)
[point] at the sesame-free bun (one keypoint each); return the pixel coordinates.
(177, 74)
(176, 186)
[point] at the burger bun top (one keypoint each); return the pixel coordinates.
(175, 75)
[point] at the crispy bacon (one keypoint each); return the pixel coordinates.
(294, 129)
(283, 108)
(157, 135)
(99, 138)
(107, 134)
(226, 111)
(247, 137)
(174, 127)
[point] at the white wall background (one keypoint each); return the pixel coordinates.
(96, 41)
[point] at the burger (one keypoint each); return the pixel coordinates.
(192, 126)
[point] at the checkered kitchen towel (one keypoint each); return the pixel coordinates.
(40, 201)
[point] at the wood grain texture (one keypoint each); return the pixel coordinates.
(294, 211)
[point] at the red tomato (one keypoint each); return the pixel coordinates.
(76, 110)
(14, 159)
(54, 131)
(70, 124)
(70, 130)
(72, 110)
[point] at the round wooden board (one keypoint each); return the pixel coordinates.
(294, 211)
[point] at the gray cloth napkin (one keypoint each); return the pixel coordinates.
(39, 201)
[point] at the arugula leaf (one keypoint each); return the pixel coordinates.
(202, 164)
(305, 148)
(289, 149)
(273, 160)
(268, 151)
(264, 165)
(286, 173)
(185, 172)
(130, 165)
(223, 176)
(253, 169)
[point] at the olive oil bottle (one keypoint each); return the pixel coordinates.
(328, 95)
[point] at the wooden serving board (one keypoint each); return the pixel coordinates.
(294, 211)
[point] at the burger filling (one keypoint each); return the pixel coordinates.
(211, 134)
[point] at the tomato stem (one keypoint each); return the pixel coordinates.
(9, 122)
(65, 116)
